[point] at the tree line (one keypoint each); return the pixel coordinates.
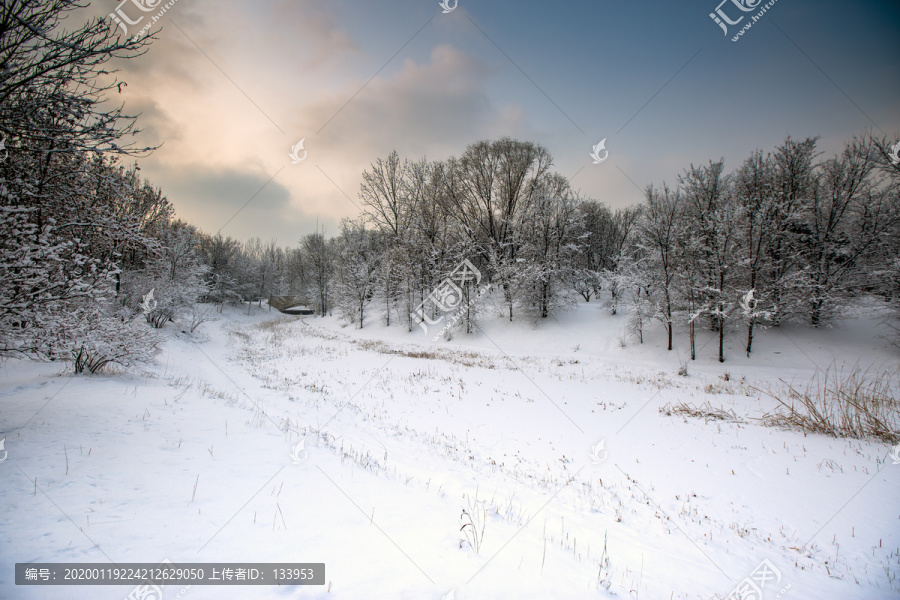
(787, 236)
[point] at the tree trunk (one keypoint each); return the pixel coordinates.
(544, 301)
(691, 335)
(468, 310)
(387, 296)
(816, 316)
(668, 315)
(721, 337)
(749, 336)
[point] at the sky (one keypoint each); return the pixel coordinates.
(230, 87)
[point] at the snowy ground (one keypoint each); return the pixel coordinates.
(191, 461)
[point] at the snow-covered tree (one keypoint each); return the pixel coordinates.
(222, 257)
(486, 190)
(713, 216)
(40, 272)
(176, 274)
(70, 215)
(754, 189)
(881, 263)
(794, 182)
(389, 192)
(848, 213)
(632, 279)
(318, 256)
(357, 256)
(548, 247)
(657, 231)
(595, 232)
(622, 237)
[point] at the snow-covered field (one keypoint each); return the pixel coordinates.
(407, 441)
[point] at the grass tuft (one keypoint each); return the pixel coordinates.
(860, 404)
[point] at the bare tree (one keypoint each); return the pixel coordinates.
(713, 214)
(318, 256)
(357, 256)
(595, 231)
(548, 245)
(622, 234)
(754, 188)
(487, 189)
(657, 231)
(848, 213)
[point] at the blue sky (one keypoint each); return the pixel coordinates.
(230, 86)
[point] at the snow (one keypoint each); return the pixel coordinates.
(402, 434)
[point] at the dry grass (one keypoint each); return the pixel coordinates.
(725, 384)
(705, 411)
(860, 404)
(465, 358)
(472, 522)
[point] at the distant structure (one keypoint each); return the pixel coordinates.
(290, 305)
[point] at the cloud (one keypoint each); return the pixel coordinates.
(308, 22)
(428, 105)
(229, 87)
(240, 204)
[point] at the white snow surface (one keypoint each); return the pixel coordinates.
(190, 460)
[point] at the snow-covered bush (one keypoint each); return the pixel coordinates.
(175, 274)
(98, 339)
(88, 334)
(39, 270)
